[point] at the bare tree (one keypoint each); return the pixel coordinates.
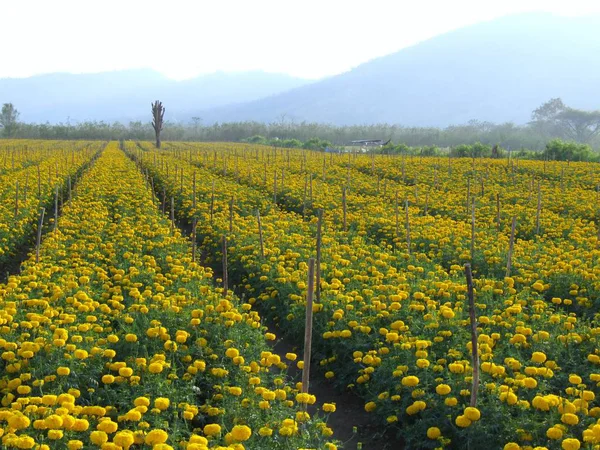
(158, 114)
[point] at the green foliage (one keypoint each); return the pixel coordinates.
(560, 150)
(477, 150)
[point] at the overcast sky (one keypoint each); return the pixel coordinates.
(308, 38)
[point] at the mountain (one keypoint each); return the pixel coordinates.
(126, 95)
(494, 71)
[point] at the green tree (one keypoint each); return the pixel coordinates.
(554, 118)
(9, 119)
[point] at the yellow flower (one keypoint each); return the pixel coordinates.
(472, 413)
(98, 437)
(212, 429)
(462, 421)
(571, 444)
(241, 433)
(443, 389)
(410, 381)
(329, 407)
(370, 406)
(63, 371)
(433, 432)
(162, 403)
(156, 437)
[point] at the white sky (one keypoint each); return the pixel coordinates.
(308, 38)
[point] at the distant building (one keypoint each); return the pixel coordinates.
(370, 142)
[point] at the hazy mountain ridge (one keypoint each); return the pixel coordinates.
(494, 71)
(126, 95)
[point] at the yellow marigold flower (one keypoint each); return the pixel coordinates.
(410, 381)
(575, 379)
(433, 432)
(265, 431)
(142, 401)
(156, 437)
(462, 421)
(124, 438)
(241, 433)
(443, 389)
(162, 403)
(554, 433)
(291, 356)
(155, 367)
(212, 429)
(370, 406)
(55, 434)
(329, 407)
(63, 371)
(571, 444)
(569, 419)
(538, 357)
(74, 445)
(512, 446)
(98, 437)
(473, 414)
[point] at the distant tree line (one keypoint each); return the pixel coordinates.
(552, 120)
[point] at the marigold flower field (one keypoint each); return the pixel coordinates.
(122, 336)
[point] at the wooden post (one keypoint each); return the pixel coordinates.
(231, 215)
(17, 199)
(511, 245)
(225, 275)
(344, 210)
(56, 209)
(473, 231)
(318, 262)
(26, 187)
(164, 200)
(473, 320)
(194, 226)
(172, 214)
(69, 183)
(39, 182)
(194, 191)
(427, 203)
(468, 204)
(498, 210)
(397, 215)
(407, 229)
(212, 202)
(308, 325)
(260, 235)
(39, 236)
(539, 210)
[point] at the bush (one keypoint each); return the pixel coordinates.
(560, 150)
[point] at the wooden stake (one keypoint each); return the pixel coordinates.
(539, 210)
(225, 275)
(473, 320)
(260, 235)
(397, 215)
(212, 202)
(511, 245)
(498, 210)
(194, 226)
(17, 199)
(231, 215)
(308, 325)
(39, 236)
(345, 227)
(407, 229)
(473, 231)
(172, 214)
(56, 209)
(318, 262)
